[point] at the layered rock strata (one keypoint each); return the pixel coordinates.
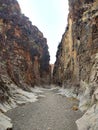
(77, 56)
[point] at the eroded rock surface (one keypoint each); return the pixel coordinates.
(24, 56)
(77, 56)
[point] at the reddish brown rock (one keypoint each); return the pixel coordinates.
(24, 56)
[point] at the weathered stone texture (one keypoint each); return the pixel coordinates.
(79, 43)
(24, 56)
(76, 64)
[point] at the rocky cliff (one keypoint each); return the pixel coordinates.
(24, 56)
(77, 56)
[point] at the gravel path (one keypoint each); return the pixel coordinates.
(52, 112)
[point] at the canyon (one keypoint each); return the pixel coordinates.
(24, 60)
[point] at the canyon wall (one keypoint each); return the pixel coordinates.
(78, 49)
(24, 56)
(76, 63)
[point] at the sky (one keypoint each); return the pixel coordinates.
(50, 16)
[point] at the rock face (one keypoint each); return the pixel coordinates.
(79, 45)
(24, 59)
(24, 56)
(77, 56)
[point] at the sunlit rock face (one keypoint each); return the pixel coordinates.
(24, 56)
(79, 45)
(77, 58)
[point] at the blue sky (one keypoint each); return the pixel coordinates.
(50, 16)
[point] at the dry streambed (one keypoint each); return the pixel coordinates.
(51, 112)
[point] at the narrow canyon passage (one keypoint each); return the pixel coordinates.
(50, 112)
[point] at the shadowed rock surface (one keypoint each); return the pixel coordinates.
(24, 58)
